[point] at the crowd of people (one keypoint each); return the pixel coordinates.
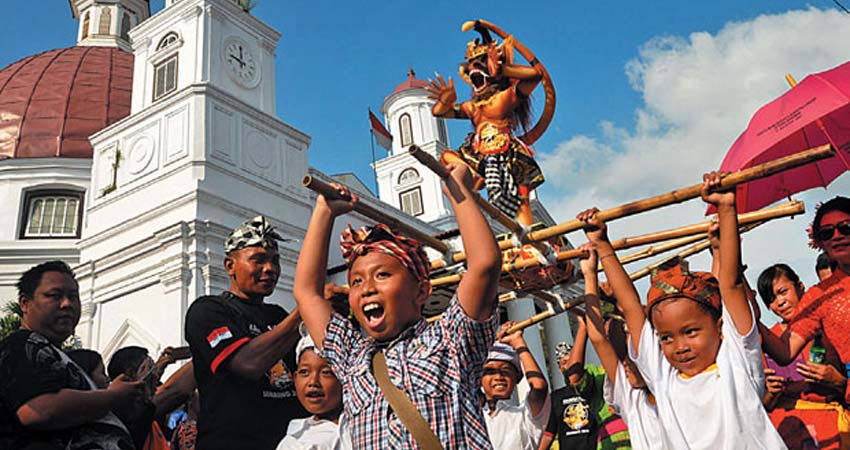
(357, 367)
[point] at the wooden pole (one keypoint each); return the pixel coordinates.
(677, 196)
(329, 192)
(428, 161)
(696, 231)
(638, 274)
(681, 195)
(537, 318)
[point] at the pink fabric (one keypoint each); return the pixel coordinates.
(790, 124)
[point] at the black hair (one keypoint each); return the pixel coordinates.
(771, 274)
(86, 359)
(30, 280)
(838, 203)
(126, 359)
(824, 262)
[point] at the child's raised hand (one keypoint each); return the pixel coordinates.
(712, 193)
(590, 261)
(514, 339)
(595, 229)
(341, 205)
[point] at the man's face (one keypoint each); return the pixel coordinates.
(499, 380)
(384, 296)
(316, 385)
(689, 336)
(253, 271)
(54, 309)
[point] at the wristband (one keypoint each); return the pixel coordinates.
(522, 349)
(606, 256)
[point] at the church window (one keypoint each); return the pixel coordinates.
(105, 21)
(52, 214)
(408, 176)
(411, 201)
(441, 129)
(125, 27)
(406, 130)
(86, 25)
(167, 41)
(165, 77)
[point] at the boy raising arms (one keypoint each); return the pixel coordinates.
(438, 366)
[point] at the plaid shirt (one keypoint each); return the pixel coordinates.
(437, 365)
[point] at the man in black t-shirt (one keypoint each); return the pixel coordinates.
(243, 349)
(46, 400)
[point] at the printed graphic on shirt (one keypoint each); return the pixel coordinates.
(218, 335)
(280, 382)
(576, 414)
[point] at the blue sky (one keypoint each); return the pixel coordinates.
(650, 94)
(335, 61)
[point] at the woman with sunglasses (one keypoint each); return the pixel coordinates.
(825, 308)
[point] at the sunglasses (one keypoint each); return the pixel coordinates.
(826, 233)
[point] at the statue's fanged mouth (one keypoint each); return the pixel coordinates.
(480, 80)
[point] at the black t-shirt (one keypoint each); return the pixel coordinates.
(236, 412)
(573, 420)
(31, 366)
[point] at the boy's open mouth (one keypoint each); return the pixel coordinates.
(374, 314)
(315, 394)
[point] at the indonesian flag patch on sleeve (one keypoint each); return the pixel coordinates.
(218, 335)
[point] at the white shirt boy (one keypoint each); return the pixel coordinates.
(639, 413)
(719, 409)
(310, 433)
(513, 427)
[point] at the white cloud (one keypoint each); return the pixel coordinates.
(699, 93)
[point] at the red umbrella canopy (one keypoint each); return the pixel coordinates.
(814, 112)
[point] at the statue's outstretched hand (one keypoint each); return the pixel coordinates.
(443, 92)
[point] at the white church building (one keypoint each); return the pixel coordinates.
(132, 155)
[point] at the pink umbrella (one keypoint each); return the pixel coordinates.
(814, 112)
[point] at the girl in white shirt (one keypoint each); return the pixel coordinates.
(700, 358)
(625, 391)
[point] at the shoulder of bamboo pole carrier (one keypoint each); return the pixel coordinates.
(690, 192)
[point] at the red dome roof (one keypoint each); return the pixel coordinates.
(52, 102)
(410, 83)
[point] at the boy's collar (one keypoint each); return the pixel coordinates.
(413, 330)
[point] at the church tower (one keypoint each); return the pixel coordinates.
(402, 181)
(106, 23)
(200, 152)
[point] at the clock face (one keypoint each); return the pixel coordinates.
(240, 63)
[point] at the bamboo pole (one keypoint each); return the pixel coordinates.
(696, 231)
(790, 208)
(537, 318)
(676, 196)
(687, 193)
(638, 274)
(329, 192)
(428, 161)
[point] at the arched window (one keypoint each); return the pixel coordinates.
(167, 40)
(86, 20)
(406, 130)
(125, 27)
(52, 214)
(105, 21)
(441, 129)
(408, 176)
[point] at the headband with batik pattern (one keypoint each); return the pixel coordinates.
(676, 281)
(254, 232)
(380, 238)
